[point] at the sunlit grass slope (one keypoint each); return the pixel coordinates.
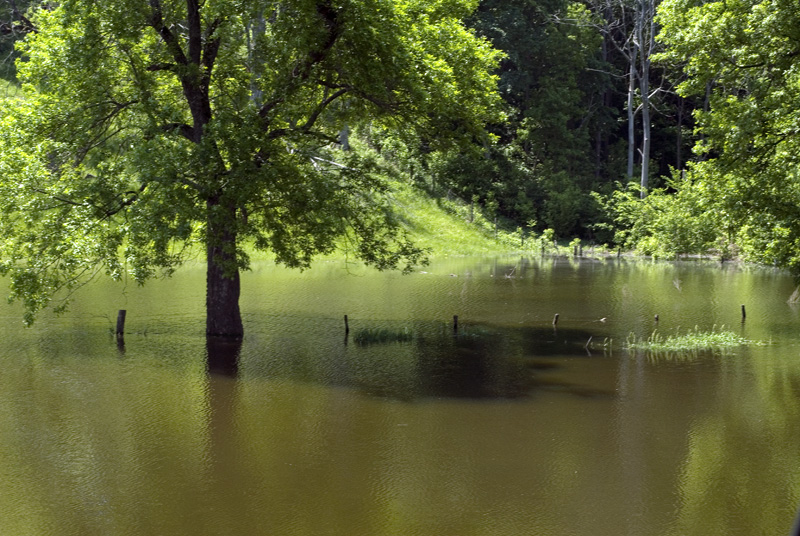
(444, 226)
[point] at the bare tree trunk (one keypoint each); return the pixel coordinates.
(679, 137)
(644, 88)
(254, 30)
(644, 183)
(631, 116)
(645, 42)
(223, 317)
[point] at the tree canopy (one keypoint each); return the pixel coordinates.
(743, 58)
(155, 128)
(154, 125)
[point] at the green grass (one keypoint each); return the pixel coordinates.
(443, 228)
(689, 344)
(448, 227)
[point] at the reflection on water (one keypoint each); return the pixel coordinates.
(508, 427)
(475, 362)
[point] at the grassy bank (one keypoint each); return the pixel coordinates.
(445, 228)
(449, 226)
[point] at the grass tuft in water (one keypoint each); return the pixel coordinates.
(382, 336)
(690, 343)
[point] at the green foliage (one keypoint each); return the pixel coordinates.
(542, 167)
(14, 25)
(9, 90)
(743, 56)
(547, 240)
(665, 224)
(152, 126)
(688, 344)
(365, 337)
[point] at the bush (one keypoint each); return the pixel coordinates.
(667, 223)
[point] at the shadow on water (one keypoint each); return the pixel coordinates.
(495, 363)
(549, 342)
(478, 362)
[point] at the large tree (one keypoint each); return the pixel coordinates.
(153, 125)
(743, 57)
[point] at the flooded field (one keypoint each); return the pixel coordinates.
(506, 426)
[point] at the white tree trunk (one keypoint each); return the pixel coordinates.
(631, 115)
(645, 43)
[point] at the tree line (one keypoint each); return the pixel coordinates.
(589, 111)
(664, 126)
(149, 126)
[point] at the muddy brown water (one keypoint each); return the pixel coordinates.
(508, 427)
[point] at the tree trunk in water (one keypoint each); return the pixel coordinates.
(222, 276)
(223, 355)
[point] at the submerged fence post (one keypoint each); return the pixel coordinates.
(455, 324)
(744, 314)
(121, 323)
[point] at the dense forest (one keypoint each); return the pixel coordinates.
(666, 127)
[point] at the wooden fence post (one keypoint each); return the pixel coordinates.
(121, 323)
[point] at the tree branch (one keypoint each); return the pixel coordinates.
(157, 23)
(211, 45)
(61, 199)
(26, 25)
(195, 31)
(130, 198)
(161, 67)
(185, 130)
(321, 108)
(302, 71)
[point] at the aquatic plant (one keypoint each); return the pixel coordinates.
(382, 336)
(690, 343)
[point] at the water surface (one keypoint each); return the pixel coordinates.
(507, 427)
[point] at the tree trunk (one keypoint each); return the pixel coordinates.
(647, 29)
(631, 114)
(679, 138)
(222, 276)
(645, 178)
